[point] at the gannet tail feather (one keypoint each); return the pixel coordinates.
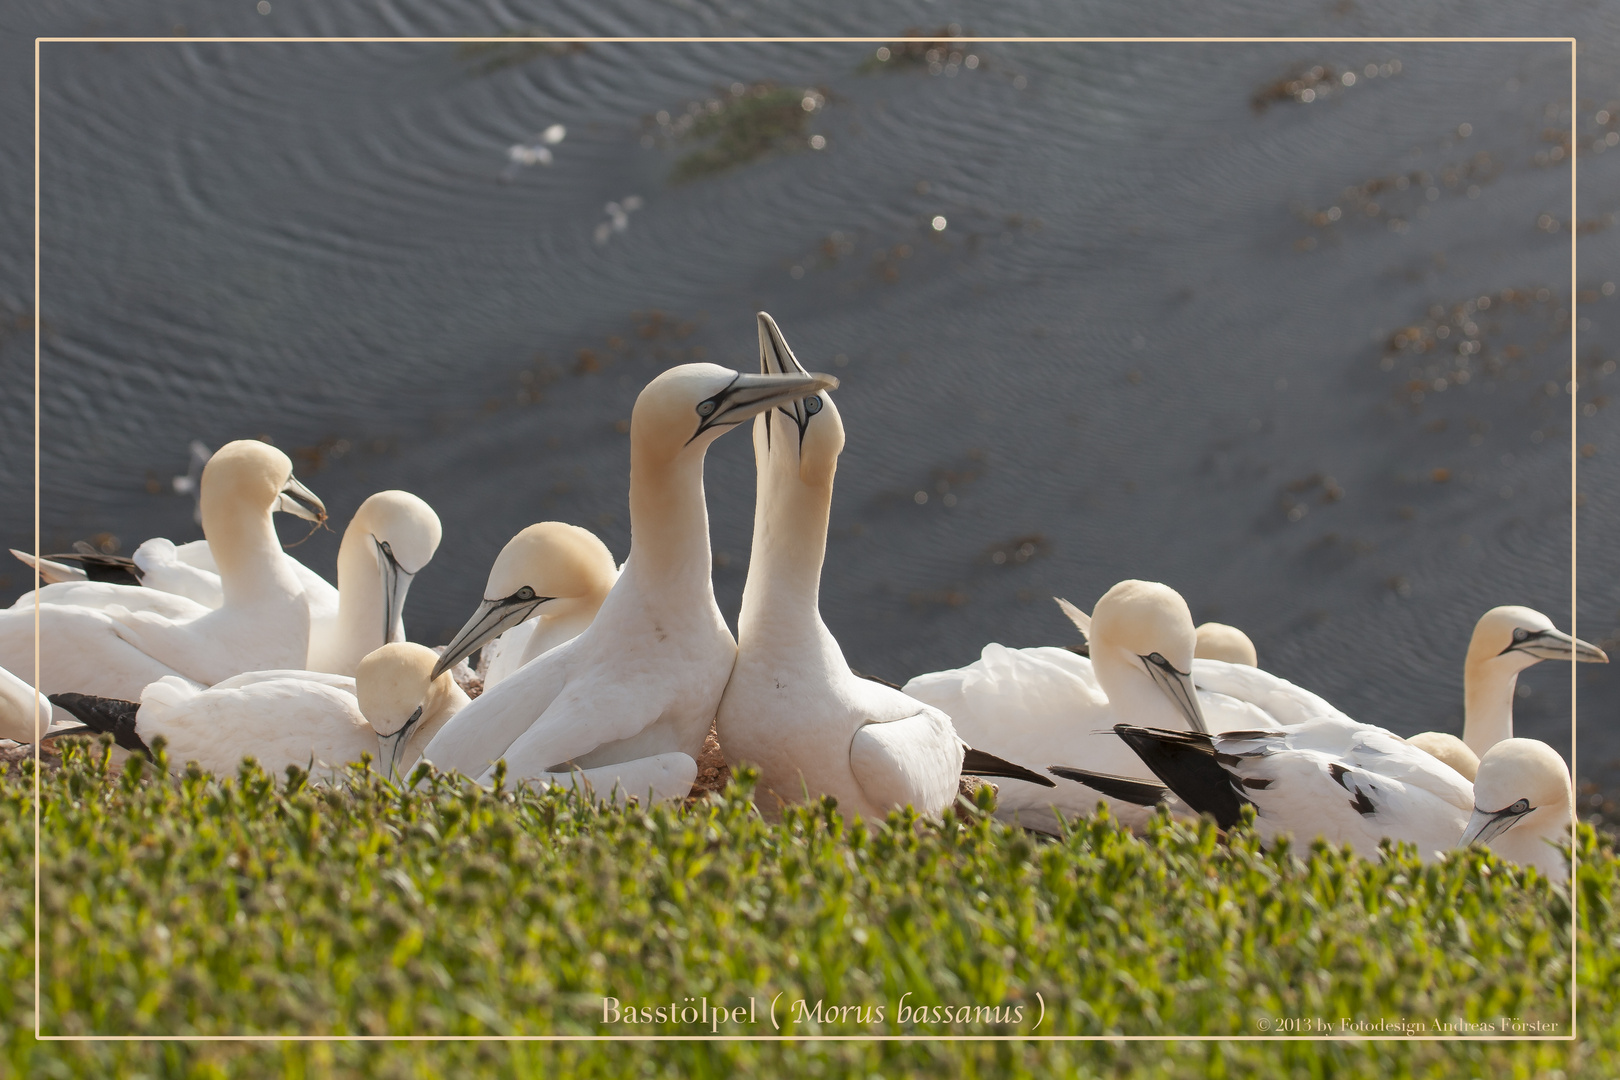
(1081, 620)
(1123, 788)
(1189, 766)
(111, 715)
(979, 763)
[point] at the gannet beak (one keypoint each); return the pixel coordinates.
(396, 582)
(750, 395)
(1485, 826)
(493, 618)
(298, 500)
(390, 744)
(1557, 645)
(1178, 687)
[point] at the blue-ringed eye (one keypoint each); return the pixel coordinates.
(812, 405)
(524, 593)
(707, 408)
(1520, 807)
(1156, 658)
(1520, 634)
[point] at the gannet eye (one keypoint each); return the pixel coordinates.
(524, 593)
(1156, 658)
(1520, 634)
(386, 550)
(812, 405)
(1520, 807)
(706, 409)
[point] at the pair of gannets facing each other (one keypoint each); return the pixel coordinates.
(545, 588)
(792, 708)
(388, 541)
(1506, 641)
(1022, 704)
(629, 702)
(390, 709)
(263, 624)
(1357, 784)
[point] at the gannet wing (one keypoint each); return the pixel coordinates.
(1286, 703)
(102, 595)
(662, 777)
(80, 652)
(279, 721)
(491, 723)
(248, 678)
(204, 649)
(162, 569)
(51, 571)
(1081, 620)
(915, 760)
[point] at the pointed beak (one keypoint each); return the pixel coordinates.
(775, 358)
(493, 618)
(750, 395)
(1557, 645)
(396, 582)
(298, 500)
(1485, 826)
(1178, 687)
(390, 745)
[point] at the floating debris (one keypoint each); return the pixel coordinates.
(919, 49)
(492, 56)
(535, 152)
(1305, 85)
(740, 125)
(1396, 200)
(618, 214)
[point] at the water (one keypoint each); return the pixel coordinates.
(1129, 352)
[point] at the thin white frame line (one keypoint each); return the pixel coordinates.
(966, 1038)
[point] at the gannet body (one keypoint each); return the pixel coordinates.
(545, 588)
(1523, 806)
(645, 677)
(388, 710)
(1505, 642)
(115, 651)
(1329, 776)
(793, 708)
(24, 714)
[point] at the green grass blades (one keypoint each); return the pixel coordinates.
(256, 904)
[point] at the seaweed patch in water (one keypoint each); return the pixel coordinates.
(488, 57)
(917, 49)
(740, 126)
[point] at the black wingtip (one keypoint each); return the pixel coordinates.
(97, 566)
(111, 715)
(1187, 763)
(979, 763)
(1123, 788)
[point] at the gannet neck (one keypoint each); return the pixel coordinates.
(444, 699)
(788, 552)
(561, 620)
(1488, 703)
(669, 526)
(243, 541)
(361, 602)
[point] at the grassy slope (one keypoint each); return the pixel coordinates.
(263, 905)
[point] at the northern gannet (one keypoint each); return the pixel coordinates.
(1506, 641)
(389, 710)
(546, 586)
(113, 651)
(1218, 641)
(644, 679)
(1330, 776)
(793, 708)
(1523, 806)
(24, 714)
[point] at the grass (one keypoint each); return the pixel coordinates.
(259, 904)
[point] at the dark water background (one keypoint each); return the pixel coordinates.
(1134, 350)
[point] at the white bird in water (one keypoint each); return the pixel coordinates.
(793, 708)
(1523, 806)
(644, 679)
(1506, 641)
(1218, 641)
(390, 709)
(545, 588)
(1329, 776)
(263, 624)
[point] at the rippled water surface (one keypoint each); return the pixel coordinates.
(1155, 334)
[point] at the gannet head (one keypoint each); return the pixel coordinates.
(686, 408)
(1449, 750)
(546, 566)
(1513, 638)
(806, 434)
(248, 473)
(1142, 630)
(402, 532)
(1522, 785)
(396, 687)
(1217, 641)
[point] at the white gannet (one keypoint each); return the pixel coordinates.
(1218, 641)
(391, 537)
(389, 710)
(113, 651)
(25, 715)
(1506, 641)
(1523, 806)
(546, 586)
(793, 708)
(1330, 776)
(645, 677)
